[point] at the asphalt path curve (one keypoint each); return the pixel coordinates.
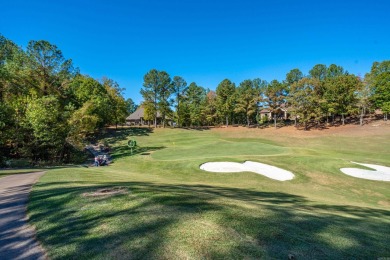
(17, 238)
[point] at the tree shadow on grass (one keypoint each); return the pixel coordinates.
(125, 151)
(248, 223)
(12, 171)
(114, 135)
(197, 128)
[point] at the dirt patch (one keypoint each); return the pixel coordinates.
(106, 192)
(375, 128)
(324, 179)
(384, 203)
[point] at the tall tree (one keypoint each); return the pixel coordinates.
(46, 106)
(364, 94)
(149, 111)
(157, 90)
(334, 71)
(151, 92)
(319, 72)
(275, 96)
(386, 109)
(11, 60)
(84, 89)
(322, 73)
(304, 99)
(49, 71)
(117, 109)
(195, 96)
(131, 107)
(165, 91)
(184, 112)
(248, 96)
(179, 86)
(293, 76)
(342, 92)
(210, 107)
(82, 123)
(379, 79)
(225, 99)
(47, 121)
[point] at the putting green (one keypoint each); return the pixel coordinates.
(219, 148)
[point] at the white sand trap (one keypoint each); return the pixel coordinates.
(382, 173)
(248, 166)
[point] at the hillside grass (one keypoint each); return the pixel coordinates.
(6, 172)
(169, 209)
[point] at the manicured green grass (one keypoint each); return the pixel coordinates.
(170, 209)
(7, 172)
(10, 171)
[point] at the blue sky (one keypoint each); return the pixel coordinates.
(203, 41)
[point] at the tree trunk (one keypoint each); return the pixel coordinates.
(275, 120)
(305, 126)
(361, 118)
(178, 112)
(247, 120)
(332, 119)
(62, 153)
(155, 113)
(227, 121)
(342, 119)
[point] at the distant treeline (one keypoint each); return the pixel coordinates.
(47, 107)
(316, 98)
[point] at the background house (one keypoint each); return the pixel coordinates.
(137, 118)
(282, 112)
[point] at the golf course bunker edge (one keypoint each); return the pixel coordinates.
(266, 170)
(380, 173)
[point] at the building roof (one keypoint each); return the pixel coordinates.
(138, 114)
(282, 108)
(378, 112)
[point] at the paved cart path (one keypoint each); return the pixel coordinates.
(17, 238)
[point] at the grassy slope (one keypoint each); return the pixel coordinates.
(174, 210)
(7, 172)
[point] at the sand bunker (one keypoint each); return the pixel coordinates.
(248, 166)
(382, 173)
